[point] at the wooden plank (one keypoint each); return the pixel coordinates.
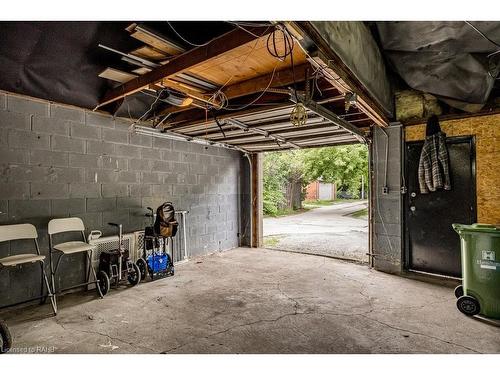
(184, 62)
(149, 53)
(116, 75)
(259, 84)
(256, 171)
(141, 71)
(154, 40)
(246, 62)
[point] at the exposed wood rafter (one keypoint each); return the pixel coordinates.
(187, 60)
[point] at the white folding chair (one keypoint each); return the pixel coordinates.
(17, 232)
(72, 224)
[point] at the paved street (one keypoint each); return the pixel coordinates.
(328, 230)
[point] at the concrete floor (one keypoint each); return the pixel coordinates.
(328, 230)
(260, 301)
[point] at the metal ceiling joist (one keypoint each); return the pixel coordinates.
(262, 132)
(275, 147)
(295, 138)
(290, 130)
(305, 139)
(183, 62)
(327, 114)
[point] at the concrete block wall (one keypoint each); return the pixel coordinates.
(387, 208)
(60, 161)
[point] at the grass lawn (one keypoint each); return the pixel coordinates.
(271, 241)
(361, 214)
(289, 212)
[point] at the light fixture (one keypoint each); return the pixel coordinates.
(298, 116)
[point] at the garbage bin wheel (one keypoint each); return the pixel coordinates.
(5, 338)
(468, 305)
(459, 291)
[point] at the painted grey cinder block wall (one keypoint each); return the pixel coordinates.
(60, 161)
(387, 234)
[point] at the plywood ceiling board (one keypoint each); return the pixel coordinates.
(245, 62)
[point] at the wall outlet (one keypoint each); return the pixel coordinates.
(385, 190)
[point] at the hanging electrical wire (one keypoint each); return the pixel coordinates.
(185, 40)
(298, 116)
(150, 108)
(258, 97)
(288, 43)
(219, 93)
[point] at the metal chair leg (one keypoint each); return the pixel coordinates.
(89, 257)
(52, 279)
(50, 294)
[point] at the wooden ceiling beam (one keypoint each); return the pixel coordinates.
(255, 85)
(281, 78)
(218, 46)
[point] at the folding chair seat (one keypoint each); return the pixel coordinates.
(15, 260)
(65, 225)
(73, 247)
(17, 232)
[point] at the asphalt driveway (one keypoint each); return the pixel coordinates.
(328, 230)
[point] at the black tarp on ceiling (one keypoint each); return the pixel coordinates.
(447, 59)
(60, 61)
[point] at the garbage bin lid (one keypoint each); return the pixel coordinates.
(477, 227)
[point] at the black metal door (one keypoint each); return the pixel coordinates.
(431, 244)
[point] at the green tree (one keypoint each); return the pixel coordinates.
(343, 165)
(279, 169)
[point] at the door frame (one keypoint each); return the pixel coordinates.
(471, 139)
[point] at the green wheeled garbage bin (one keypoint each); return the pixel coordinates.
(480, 289)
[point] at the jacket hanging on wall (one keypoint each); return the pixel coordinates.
(433, 168)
